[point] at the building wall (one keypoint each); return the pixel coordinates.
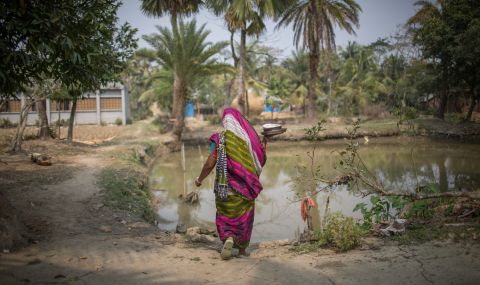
(103, 106)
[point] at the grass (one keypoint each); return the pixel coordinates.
(127, 190)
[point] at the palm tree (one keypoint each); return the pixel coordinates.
(188, 57)
(176, 8)
(297, 65)
(314, 21)
(360, 80)
(159, 8)
(246, 16)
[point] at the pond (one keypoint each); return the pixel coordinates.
(400, 163)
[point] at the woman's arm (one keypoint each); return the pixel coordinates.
(264, 141)
(207, 168)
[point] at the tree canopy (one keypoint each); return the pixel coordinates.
(77, 42)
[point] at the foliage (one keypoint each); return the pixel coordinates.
(137, 76)
(246, 16)
(405, 113)
(76, 42)
(308, 176)
(6, 123)
(118, 121)
(445, 31)
(341, 232)
(127, 190)
(186, 57)
(313, 21)
(380, 209)
(61, 122)
(189, 55)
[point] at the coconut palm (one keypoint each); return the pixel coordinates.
(360, 80)
(246, 16)
(188, 57)
(314, 21)
(297, 65)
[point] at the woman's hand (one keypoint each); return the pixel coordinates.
(198, 183)
(264, 141)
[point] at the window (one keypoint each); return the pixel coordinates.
(87, 104)
(111, 103)
(62, 105)
(11, 106)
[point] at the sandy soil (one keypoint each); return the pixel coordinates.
(75, 239)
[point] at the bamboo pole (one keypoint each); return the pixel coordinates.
(184, 171)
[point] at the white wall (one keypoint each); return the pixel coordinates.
(83, 117)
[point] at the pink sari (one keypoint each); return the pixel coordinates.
(245, 157)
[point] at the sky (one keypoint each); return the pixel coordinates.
(379, 19)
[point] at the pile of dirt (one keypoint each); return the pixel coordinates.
(12, 231)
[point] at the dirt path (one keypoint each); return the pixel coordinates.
(76, 240)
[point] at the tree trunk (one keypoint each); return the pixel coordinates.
(232, 47)
(72, 119)
(179, 92)
(22, 123)
(44, 132)
(443, 104)
(329, 93)
(312, 86)
(3, 102)
(444, 95)
(473, 101)
(173, 21)
(228, 91)
(242, 75)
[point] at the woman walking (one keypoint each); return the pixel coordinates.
(239, 156)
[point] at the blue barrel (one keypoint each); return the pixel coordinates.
(189, 110)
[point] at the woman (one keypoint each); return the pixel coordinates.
(239, 157)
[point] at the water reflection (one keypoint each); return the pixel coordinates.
(399, 164)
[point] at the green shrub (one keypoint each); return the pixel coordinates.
(454, 118)
(380, 209)
(341, 232)
(6, 123)
(215, 120)
(129, 121)
(157, 122)
(103, 123)
(118, 121)
(405, 113)
(62, 122)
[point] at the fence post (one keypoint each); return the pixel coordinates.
(97, 105)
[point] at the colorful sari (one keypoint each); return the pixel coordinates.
(240, 158)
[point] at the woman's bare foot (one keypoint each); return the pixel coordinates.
(243, 252)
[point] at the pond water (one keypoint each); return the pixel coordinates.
(398, 162)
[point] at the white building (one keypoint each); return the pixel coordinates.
(106, 105)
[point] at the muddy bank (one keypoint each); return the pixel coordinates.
(337, 129)
(296, 131)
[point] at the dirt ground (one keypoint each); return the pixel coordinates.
(72, 238)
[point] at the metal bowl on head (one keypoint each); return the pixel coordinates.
(270, 130)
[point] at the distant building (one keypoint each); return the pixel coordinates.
(102, 106)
